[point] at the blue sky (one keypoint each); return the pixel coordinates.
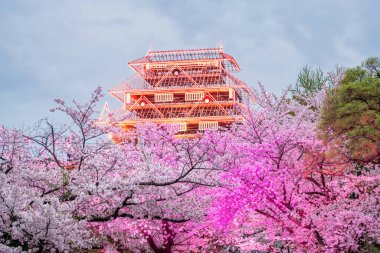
(65, 49)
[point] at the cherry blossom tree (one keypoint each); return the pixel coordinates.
(269, 184)
(147, 193)
(31, 218)
(287, 193)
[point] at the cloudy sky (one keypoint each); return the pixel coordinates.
(65, 49)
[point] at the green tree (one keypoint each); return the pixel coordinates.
(309, 81)
(372, 65)
(352, 112)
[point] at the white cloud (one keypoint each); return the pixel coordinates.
(65, 49)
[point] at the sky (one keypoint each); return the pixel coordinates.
(65, 49)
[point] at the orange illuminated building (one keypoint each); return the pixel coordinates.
(193, 90)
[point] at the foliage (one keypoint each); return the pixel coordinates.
(352, 111)
(268, 184)
(68, 187)
(310, 81)
(287, 194)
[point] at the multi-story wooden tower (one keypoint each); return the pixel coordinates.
(193, 90)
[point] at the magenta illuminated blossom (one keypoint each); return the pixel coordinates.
(278, 195)
(268, 184)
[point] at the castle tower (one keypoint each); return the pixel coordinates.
(193, 90)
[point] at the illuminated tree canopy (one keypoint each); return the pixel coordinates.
(293, 177)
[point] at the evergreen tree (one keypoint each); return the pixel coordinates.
(352, 111)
